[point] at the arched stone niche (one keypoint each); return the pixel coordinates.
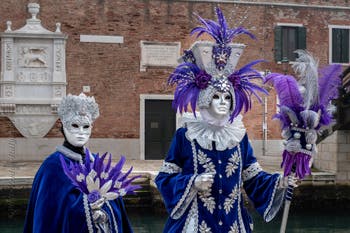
(33, 75)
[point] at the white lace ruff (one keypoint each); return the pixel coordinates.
(225, 137)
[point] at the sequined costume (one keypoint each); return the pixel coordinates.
(198, 148)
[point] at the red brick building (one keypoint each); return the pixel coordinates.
(112, 70)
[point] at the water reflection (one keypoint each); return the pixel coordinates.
(147, 221)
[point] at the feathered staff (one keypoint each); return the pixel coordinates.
(304, 111)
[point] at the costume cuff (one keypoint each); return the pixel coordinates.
(186, 199)
(275, 201)
(170, 168)
(251, 171)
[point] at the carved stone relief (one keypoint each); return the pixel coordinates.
(33, 57)
(33, 76)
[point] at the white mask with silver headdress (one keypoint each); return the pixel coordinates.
(208, 69)
(77, 113)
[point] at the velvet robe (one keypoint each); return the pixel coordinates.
(55, 205)
(221, 208)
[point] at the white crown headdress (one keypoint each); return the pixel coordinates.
(81, 105)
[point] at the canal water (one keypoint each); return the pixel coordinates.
(145, 221)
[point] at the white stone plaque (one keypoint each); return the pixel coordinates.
(159, 54)
(33, 75)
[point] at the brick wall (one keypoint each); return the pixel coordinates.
(334, 155)
(112, 70)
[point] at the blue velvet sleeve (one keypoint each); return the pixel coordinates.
(260, 186)
(175, 183)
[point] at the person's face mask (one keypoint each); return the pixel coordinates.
(78, 131)
(220, 105)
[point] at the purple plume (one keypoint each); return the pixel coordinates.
(244, 87)
(287, 90)
(190, 79)
(219, 31)
(329, 83)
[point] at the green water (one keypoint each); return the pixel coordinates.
(144, 221)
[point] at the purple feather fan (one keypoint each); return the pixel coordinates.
(219, 31)
(98, 179)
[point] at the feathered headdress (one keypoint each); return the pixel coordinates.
(304, 108)
(210, 66)
(80, 106)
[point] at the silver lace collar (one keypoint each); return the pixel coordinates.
(225, 137)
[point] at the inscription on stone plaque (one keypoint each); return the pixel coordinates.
(159, 54)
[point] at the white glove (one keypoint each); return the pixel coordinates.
(98, 214)
(204, 181)
(285, 181)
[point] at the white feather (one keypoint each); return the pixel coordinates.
(306, 67)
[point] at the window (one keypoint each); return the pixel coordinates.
(289, 38)
(339, 44)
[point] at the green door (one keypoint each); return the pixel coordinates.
(160, 125)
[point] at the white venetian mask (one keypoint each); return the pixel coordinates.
(78, 131)
(220, 105)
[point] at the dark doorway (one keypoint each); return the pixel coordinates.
(160, 125)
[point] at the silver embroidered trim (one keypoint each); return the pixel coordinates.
(234, 228)
(192, 215)
(170, 168)
(87, 214)
(230, 201)
(232, 165)
(208, 200)
(190, 191)
(203, 228)
(113, 217)
(185, 200)
(240, 219)
(70, 154)
(209, 167)
(251, 171)
(272, 197)
(206, 162)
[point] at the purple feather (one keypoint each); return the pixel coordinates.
(219, 31)
(329, 83)
(244, 87)
(190, 79)
(78, 174)
(287, 90)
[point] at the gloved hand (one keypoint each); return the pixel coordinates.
(98, 214)
(204, 181)
(287, 180)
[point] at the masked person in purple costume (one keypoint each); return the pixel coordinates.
(210, 158)
(55, 204)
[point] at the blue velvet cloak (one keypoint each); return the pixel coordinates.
(221, 208)
(55, 205)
